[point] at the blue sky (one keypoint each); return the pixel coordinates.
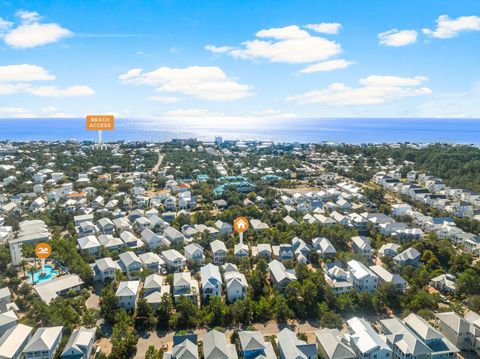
(232, 60)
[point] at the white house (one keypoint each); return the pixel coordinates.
(127, 294)
(80, 344)
(365, 341)
(236, 285)
(44, 343)
(361, 277)
(211, 281)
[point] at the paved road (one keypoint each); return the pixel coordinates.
(158, 164)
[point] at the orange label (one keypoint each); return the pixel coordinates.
(43, 250)
(100, 122)
(240, 224)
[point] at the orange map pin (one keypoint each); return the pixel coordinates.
(43, 250)
(240, 224)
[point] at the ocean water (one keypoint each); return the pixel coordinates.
(348, 130)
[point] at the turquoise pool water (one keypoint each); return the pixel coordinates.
(50, 273)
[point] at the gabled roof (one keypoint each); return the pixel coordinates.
(80, 340)
(331, 342)
(215, 345)
(12, 339)
(251, 340)
(454, 321)
(43, 339)
(128, 288)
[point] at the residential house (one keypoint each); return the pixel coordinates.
(331, 344)
(104, 269)
(456, 329)
(389, 250)
(404, 343)
(130, 263)
(440, 346)
(89, 245)
(5, 299)
(105, 226)
(444, 283)
(253, 346)
(361, 245)
(279, 275)
(44, 343)
(151, 261)
(219, 251)
(153, 240)
(365, 341)
(80, 344)
(174, 260)
(211, 281)
(14, 340)
(223, 227)
(59, 286)
(409, 256)
(110, 242)
(127, 294)
(186, 286)
(7, 320)
(361, 277)
(384, 276)
(184, 347)
(194, 253)
(173, 235)
(236, 285)
(215, 346)
(290, 347)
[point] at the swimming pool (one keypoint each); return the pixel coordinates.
(50, 273)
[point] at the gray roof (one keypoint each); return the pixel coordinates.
(185, 350)
(106, 263)
(80, 340)
(210, 274)
(47, 291)
(279, 272)
(43, 339)
(215, 346)
(399, 334)
(128, 258)
(251, 340)
(454, 321)
(12, 340)
(217, 245)
(333, 346)
(294, 348)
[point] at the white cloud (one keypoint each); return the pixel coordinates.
(289, 44)
(165, 99)
(5, 24)
(203, 82)
(18, 79)
(331, 28)
(397, 38)
(325, 66)
(448, 28)
(54, 91)
(218, 49)
(16, 112)
(24, 73)
(31, 33)
(374, 90)
(28, 16)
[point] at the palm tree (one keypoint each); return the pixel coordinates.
(24, 265)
